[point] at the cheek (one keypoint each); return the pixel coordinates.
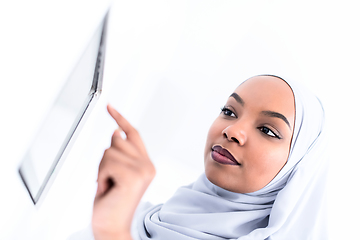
(269, 159)
(215, 132)
(214, 136)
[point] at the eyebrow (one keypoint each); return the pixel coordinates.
(238, 98)
(277, 115)
(266, 113)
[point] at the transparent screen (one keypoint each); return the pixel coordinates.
(62, 120)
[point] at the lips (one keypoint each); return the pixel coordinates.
(223, 156)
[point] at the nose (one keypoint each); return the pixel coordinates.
(234, 133)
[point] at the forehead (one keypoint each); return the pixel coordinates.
(267, 93)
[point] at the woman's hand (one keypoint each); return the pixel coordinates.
(125, 172)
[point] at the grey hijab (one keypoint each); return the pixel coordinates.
(291, 206)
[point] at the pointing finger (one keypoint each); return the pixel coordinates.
(131, 133)
(119, 119)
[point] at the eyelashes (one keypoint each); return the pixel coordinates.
(263, 129)
(268, 132)
(227, 112)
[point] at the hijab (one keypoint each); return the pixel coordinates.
(291, 206)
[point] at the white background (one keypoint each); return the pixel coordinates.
(170, 66)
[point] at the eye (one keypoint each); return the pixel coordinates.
(268, 132)
(226, 111)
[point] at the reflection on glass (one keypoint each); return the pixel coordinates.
(63, 120)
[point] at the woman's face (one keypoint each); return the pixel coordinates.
(248, 144)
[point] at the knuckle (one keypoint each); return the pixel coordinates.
(148, 173)
(107, 152)
(151, 168)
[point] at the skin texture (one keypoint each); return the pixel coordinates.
(248, 135)
(126, 171)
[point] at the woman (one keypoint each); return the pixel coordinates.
(264, 173)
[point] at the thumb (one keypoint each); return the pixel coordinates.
(117, 138)
(117, 133)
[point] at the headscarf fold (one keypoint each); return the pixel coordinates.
(291, 206)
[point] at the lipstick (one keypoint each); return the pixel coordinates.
(223, 156)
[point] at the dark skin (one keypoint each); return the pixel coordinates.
(249, 127)
(253, 132)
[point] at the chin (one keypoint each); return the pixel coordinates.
(220, 179)
(226, 181)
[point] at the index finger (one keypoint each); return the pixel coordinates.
(131, 133)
